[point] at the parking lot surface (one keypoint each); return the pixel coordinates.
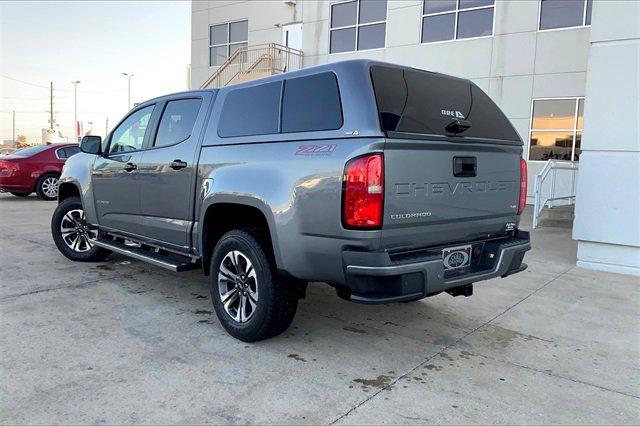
(125, 342)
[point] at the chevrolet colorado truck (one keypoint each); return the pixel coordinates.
(389, 183)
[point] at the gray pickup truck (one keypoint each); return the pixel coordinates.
(389, 183)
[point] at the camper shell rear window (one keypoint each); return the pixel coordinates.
(421, 102)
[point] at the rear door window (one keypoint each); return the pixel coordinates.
(251, 111)
(413, 101)
(311, 103)
(177, 121)
(71, 151)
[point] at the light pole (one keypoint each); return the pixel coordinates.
(75, 107)
(129, 76)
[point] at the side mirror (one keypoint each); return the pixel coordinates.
(91, 144)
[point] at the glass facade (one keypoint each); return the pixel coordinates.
(556, 129)
(357, 25)
(225, 39)
(453, 20)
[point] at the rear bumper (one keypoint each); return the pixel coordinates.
(378, 278)
(15, 184)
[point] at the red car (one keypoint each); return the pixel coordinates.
(36, 168)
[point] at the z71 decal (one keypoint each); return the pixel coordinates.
(315, 149)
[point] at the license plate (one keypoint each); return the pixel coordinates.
(456, 257)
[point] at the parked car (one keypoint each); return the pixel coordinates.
(6, 150)
(36, 168)
(389, 183)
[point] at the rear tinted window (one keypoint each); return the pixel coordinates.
(28, 152)
(413, 101)
(311, 103)
(251, 111)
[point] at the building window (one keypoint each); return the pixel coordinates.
(456, 19)
(556, 14)
(225, 39)
(556, 129)
(357, 25)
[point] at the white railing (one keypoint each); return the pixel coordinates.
(550, 187)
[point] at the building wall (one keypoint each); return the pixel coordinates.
(607, 222)
(264, 18)
(515, 65)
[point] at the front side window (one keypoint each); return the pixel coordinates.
(358, 25)
(129, 135)
(225, 39)
(556, 129)
(556, 14)
(177, 121)
(456, 19)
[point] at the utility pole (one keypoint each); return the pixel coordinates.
(75, 107)
(51, 107)
(13, 138)
(106, 127)
(129, 76)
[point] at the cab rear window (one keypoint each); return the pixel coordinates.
(420, 102)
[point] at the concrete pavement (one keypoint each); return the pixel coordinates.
(125, 342)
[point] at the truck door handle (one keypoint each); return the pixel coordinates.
(129, 167)
(178, 164)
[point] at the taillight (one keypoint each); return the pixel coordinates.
(522, 201)
(363, 192)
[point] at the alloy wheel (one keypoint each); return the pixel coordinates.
(238, 286)
(50, 187)
(75, 231)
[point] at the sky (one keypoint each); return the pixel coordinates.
(94, 42)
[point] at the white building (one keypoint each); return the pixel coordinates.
(540, 61)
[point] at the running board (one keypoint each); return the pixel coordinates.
(147, 256)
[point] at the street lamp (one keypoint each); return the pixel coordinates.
(75, 108)
(129, 76)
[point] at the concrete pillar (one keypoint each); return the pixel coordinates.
(607, 221)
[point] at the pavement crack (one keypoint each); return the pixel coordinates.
(445, 348)
(46, 290)
(557, 376)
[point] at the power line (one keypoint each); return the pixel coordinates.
(33, 99)
(61, 90)
(25, 82)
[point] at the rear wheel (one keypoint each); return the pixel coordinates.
(47, 186)
(72, 235)
(250, 300)
(21, 194)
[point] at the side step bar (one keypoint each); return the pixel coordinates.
(147, 256)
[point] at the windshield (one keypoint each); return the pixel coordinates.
(28, 152)
(413, 101)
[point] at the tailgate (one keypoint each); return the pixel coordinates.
(452, 160)
(426, 204)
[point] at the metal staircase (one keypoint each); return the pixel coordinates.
(252, 62)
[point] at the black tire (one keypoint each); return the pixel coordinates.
(277, 301)
(92, 254)
(21, 194)
(41, 188)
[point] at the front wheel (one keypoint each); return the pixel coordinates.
(250, 300)
(72, 235)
